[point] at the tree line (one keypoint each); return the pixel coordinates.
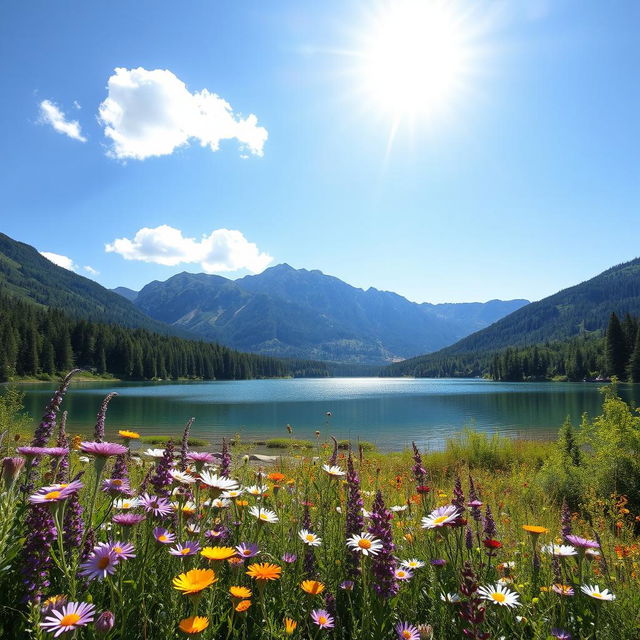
(39, 341)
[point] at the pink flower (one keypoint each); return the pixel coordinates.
(322, 618)
(101, 563)
(72, 616)
(189, 548)
(103, 449)
(163, 536)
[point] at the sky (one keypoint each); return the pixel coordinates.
(445, 150)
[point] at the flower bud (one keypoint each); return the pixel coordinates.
(11, 468)
(105, 622)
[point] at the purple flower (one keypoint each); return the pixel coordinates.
(354, 517)
(36, 551)
(184, 448)
(60, 466)
(219, 532)
(127, 519)
(334, 455)
(489, 523)
(347, 585)
(383, 564)
(474, 503)
(458, 495)
(560, 634)
(103, 449)
(122, 550)
(116, 486)
(407, 631)
(289, 558)
(403, 574)
(161, 479)
(11, 468)
(582, 543)
(437, 562)
(419, 472)
(100, 418)
(73, 523)
(225, 462)
(322, 618)
(120, 471)
(163, 536)
(155, 505)
(565, 516)
(105, 622)
(32, 452)
(189, 548)
(101, 563)
(72, 616)
(247, 550)
(201, 457)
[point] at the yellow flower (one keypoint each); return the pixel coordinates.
(312, 587)
(243, 605)
(264, 571)
(194, 625)
(242, 503)
(218, 553)
(194, 581)
(130, 435)
(240, 592)
(75, 443)
(534, 529)
(289, 626)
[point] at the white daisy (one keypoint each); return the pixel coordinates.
(126, 503)
(257, 490)
(264, 515)
(182, 477)
(499, 594)
(335, 471)
(594, 591)
(153, 453)
(397, 508)
(215, 481)
(440, 517)
(412, 564)
(450, 598)
(560, 550)
(309, 538)
(365, 544)
(233, 493)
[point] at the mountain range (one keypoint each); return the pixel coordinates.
(298, 313)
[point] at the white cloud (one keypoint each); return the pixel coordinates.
(91, 271)
(51, 114)
(152, 113)
(61, 261)
(221, 250)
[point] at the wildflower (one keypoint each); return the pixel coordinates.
(128, 435)
(398, 508)
(560, 550)
(560, 634)
(347, 585)
(534, 530)
(582, 543)
(492, 544)
(123, 550)
(155, 505)
(312, 587)
(56, 495)
(11, 468)
(407, 631)
(289, 626)
(105, 622)
(215, 482)
(218, 553)
(163, 536)
(419, 472)
(247, 549)
(450, 598)
(289, 558)
(437, 562)
(422, 489)
(322, 619)
(194, 581)
(182, 477)
(225, 460)
(71, 617)
(440, 517)
(594, 591)
(403, 574)
(276, 477)
(54, 602)
(128, 519)
(365, 544)
(201, 457)
(188, 508)
(264, 515)
(264, 571)
(563, 589)
(241, 593)
(500, 595)
(257, 490)
(189, 548)
(193, 625)
(232, 494)
(101, 563)
(412, 564)
(102, 449)
(333, 470)
(153, 453)
(243, 605)
(309, 538)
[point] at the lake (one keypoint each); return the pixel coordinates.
(391, 412)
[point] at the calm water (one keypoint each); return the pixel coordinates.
(388, 411)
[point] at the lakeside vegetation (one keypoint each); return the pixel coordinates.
(488, 538)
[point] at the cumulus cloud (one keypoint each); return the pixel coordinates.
(60, 260)
(221, 250)
(51, 114)
(152, 113)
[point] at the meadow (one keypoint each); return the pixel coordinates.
(488, 538)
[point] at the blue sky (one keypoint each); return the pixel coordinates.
(525, 180)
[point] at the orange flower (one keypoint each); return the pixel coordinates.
(276, 476)
(264, 571)
(129, 435)
(312, 587)
(243, 606)
(235, 561)
(240, 592)
(242, 503)
(194, 581)
(218, 553)
(194, 625)
(289, 626)
(534, 529)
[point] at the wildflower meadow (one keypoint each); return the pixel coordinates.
(100, 538)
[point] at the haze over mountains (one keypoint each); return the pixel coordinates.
(291, 312)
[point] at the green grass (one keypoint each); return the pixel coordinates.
(193, 442)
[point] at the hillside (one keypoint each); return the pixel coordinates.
(300, 313)
(583, 309)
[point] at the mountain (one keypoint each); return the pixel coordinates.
(27, 275)
(583, 309)
(125, 292)
(306, 314)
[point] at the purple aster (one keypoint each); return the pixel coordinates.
(322, 618)
(560, 634)
(50, 497)
(32, 452)
(69, 618)
(219, 532)
(103, 449)
(201, 457)
(116, 486)
(403, 574)
(383, 564)
(247, 550)
(189, 548)
(582, 543)
(407, 631)
(105, 622)
(100, 418)
(163, 536)
(347, 585)
(123, 550)
(289, 558)
(127, 519)
(155, 505)
(100, 563)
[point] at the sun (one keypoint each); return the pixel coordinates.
(413, 58)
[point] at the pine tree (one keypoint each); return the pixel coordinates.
(616, 349)
(634, 363)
